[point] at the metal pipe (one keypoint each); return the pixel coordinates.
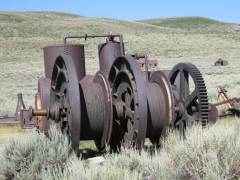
(8, 120)
(40, 112)
(226, 101)
(110, 36)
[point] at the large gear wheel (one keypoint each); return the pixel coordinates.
(191, 99)
(129, 104)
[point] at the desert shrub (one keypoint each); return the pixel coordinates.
(126, 165)
(27, 157)
(210, 153)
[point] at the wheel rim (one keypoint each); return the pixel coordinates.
(65, 109)
(193, 102)
(129, 109)
(105, 139)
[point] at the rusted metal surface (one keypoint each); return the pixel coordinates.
(227, 102)
(212, 114)
(20, 106)
(108, 52)
(145, 63)
(126, 101)
(108, 113)
(231, 105)
(42, 100)
(27, 121)
(193, 103)
(8, 120)
(129, 101)
(160, 105)
(65, 98)
(110, 37)
(75, 51)
(93, 108)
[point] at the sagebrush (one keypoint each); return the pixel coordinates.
(211, 153)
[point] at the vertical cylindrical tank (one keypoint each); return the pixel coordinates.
(108, 52)
(75, 51)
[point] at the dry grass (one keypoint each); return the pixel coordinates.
(8, 132)
(23, 35)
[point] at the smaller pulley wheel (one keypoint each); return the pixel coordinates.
(160, 104)
(190, 94)
(108, 111)
(129, 104)
(42, 102)
(65, 109)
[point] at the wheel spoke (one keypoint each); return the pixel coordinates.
(184, 89)
(127, 99)
(191, 98)
(115, 96)
(114, 72)
(123, 67)
(58, 68)
(116, 69)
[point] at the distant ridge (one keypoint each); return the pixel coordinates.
(182, 22)
(41, 12)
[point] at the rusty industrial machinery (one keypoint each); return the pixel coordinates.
(126, 101)
(230, 106)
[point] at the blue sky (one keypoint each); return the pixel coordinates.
(223, 10)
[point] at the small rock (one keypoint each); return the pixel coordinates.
(94, 160)
(221, 62)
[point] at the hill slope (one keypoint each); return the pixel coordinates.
(23, 35)
(183, 22)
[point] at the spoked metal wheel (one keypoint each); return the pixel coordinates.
(129, 107)
(190, 95)
(65, 109)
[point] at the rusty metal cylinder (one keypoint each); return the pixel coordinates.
(75, 51)
(157, 110)
(108, 52)
(92, 108)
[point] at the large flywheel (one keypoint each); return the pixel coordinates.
(190, 94)
(65, 109)
(129, 104)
